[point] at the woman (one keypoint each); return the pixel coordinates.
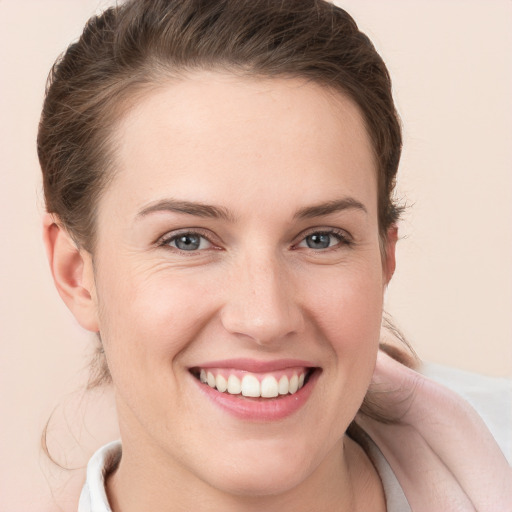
(219, 182)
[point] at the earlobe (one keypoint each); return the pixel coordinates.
(72, 273)
(390, 259)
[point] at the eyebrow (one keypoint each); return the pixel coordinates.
(218, 212)
(319, 210)
(188, 208)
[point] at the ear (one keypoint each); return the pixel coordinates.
(72, 273)
(389, 263)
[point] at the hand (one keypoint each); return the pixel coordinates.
(441, 451)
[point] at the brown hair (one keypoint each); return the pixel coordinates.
(136, 45)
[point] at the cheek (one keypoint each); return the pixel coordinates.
(347, 305)
(348, 314)
(147, 319)
(346, 310)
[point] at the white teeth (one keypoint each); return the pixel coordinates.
(234, 386)
(294, 384)
(283, 385)
(251, 386)
(221, 383)
(269, 388)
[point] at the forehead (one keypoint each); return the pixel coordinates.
(211, 132)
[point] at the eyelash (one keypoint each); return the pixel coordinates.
(342, 237)
(170, 237)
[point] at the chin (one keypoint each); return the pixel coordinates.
(260, 471)
(261, 481)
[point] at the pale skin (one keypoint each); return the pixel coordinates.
(255, 170)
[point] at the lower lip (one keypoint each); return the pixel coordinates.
(260, 409)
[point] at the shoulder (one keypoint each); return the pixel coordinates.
(491, 397)
(448, 446)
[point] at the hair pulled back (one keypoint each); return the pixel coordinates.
(139, 44)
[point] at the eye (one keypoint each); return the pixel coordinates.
(187, 242)
(324, 240)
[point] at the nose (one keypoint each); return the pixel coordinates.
(261, 302)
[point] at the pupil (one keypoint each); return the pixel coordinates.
(188, 242)
(318, 241)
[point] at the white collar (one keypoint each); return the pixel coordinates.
(94, 496)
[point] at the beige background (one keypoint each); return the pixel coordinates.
(452, 294)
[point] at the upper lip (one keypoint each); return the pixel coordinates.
(256, 366)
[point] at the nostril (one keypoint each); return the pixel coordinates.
(263, 326)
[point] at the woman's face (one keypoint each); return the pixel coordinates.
(238, 244)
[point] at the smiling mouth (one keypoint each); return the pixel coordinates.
(270, 385)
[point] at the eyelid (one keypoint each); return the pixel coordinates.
(164, 240)
(344, 236)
